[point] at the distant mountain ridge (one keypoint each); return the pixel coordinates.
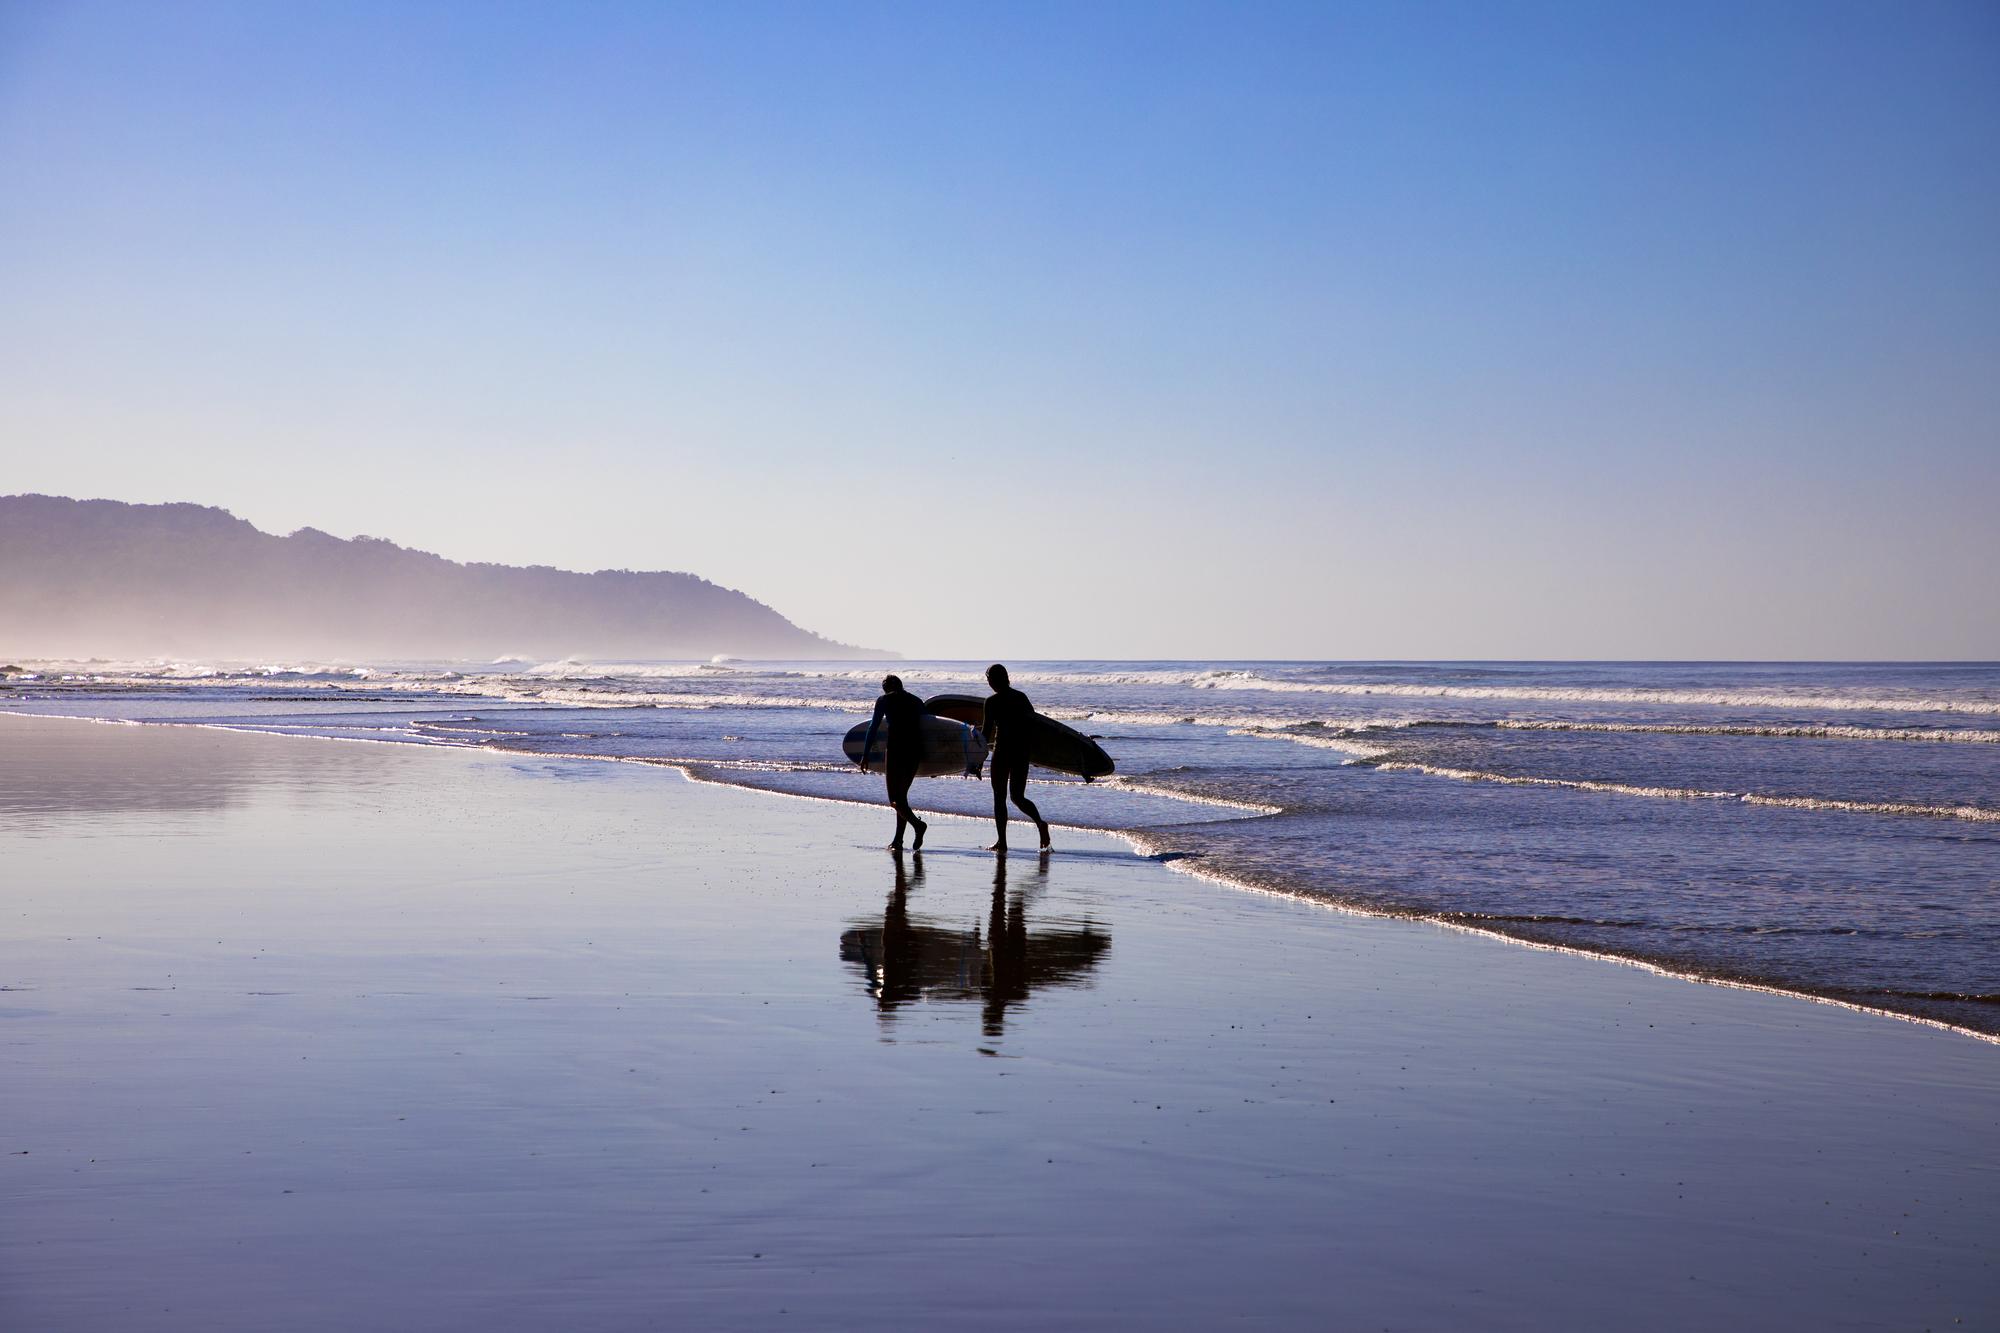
(104, 578)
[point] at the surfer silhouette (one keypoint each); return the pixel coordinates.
(1009, 723)
(903, 715)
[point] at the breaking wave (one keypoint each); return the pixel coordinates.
(1944, 734)
(1974, 813)
(1251, 680)
(1318, 740)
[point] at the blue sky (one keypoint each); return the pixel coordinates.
(1414, 330)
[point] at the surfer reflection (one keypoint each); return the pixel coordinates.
(907, 961)
(896, 981)
(1006, 950)
(903, 715)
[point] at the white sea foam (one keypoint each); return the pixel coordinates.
(154, 670)
(1944, 734)
(1141, 787)
(586, 697)
(1250, 680)
(955, 675)
(1318, 740)
(140, 669)
(575, 669)
(461, 727)
(1974, 813)
(1244, 723)
(1212, 679)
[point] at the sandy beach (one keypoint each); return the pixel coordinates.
(316, 1035)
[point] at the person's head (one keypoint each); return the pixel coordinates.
(892, 684)
(996, 676)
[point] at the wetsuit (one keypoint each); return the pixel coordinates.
(1009, 725)
(903, 713)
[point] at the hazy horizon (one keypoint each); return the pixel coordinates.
(1349, 332)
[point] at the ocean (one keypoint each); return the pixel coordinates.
(1827, 829)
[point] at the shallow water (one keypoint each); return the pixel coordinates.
(1827, 828)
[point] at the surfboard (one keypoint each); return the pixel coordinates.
(1053, 745)
(950, 748)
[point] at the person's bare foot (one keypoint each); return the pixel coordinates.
(896, 847)
(1045, 837)
(997, 847)
(922, 828)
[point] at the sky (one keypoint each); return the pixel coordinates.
(1412, 330)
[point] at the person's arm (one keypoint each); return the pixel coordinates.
(868, 745)
(986, 719)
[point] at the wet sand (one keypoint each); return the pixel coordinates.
(317, 1035)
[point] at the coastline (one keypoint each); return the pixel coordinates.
(592, 987)
(1771, 845)
(1147, 845)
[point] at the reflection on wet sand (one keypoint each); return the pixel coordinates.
(906, 960)
(60, 769)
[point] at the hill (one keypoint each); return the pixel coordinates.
(81, 578)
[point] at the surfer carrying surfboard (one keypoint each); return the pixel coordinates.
(903, 713)
(1009, 723)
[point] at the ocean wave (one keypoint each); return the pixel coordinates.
(1141, 787)
(1157, 717)
(1949, 996)
(576, 669)
(424, 727)
(1251, 680)
(152, 670)
(606, 692)
(954, 675)
(1318, 740)
(1973, 813)
(784, 766)
(613, 692)
(1967, 735)
(1664, 927)
(1538, 919)
(586, 697)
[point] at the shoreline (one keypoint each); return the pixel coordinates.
(343, 1036)
(1136, 841)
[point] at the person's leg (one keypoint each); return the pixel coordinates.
(899, 778)
(904, 814)
(896, 804)
(1017, 784)
(998, 769)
